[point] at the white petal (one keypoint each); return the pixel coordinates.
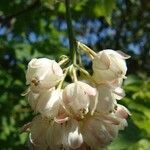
(106, 100)
(119, 93)
(33, 99)
(55, 136)
(98, 134)
(75, 139)
(124, 56)
(101, 61)
(49, 103)
(39, 127)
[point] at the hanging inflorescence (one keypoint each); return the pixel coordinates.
(83, 114)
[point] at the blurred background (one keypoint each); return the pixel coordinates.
(37, 28)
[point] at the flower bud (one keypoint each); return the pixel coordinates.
(109, 65)
(76, 97)
(42, 74)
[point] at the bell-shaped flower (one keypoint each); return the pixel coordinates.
(49, 103)
(38, 133)
(55, 136)
(98, 134)
(46, 134)
(109, 65)
(42, 74)
(76, 98)
(66, 135)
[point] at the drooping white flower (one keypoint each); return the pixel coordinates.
(49, 103)
(46, 134)
(42, 74)
(76, 97)
(98, 134)
(38, 131)
(109, 65)
(55, 136)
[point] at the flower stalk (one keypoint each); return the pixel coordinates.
(85, 48)
(72, 41)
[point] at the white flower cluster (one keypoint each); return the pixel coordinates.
(84, 114)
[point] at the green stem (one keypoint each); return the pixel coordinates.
(62, 80)
(72, 41)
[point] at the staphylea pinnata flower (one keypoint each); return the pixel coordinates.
(48, 103)
(109, 65)
(79, 115)
(76, 98)
(42, 74)
(98, 133)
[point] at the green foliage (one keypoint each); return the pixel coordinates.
(137, 135)
(101, 8)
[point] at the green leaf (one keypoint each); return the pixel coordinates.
(142, 144)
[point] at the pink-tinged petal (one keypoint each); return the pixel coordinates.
(111, 119)
(88, 89)
(97, 133)
(122, 112)
(76, 98)
(61, 120)
(62, 116)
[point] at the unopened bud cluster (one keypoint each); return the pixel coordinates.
(80, 115)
